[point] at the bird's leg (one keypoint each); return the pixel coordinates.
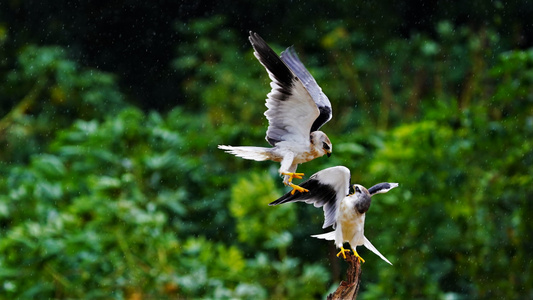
(361, 260)
(292, 185)
(293, 175)
(342, 252)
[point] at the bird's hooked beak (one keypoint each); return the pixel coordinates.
(353, 191)
(327, 148)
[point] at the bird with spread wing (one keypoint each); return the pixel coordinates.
(345, 211)
(296, 109)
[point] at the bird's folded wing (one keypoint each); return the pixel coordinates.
(326, 189)
(291, 111)
(291, 59)
(371, 247)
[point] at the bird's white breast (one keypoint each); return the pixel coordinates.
(302, 150)
(352, 223)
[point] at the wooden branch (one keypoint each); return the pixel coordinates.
(349, 289)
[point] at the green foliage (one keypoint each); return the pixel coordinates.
(52, 91)
(471, 182)
(254, 226)
(218, 74)
(106, 211)
(101, 200)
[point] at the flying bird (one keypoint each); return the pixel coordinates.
(345, 211)
(296, 109)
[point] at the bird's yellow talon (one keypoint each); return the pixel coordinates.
(294, 186)
(293, 175)
(297, 188)
(342, 252)
(361, 260)
(298, 175)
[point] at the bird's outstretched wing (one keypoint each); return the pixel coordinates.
(291, 59)
(291, 110)
(381, 188)
(326, 189)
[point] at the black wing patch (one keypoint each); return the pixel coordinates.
(325, 115)
(272, 141)
(273, 64)
(381, 188)
(320, 195)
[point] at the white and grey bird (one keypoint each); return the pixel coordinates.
(296, 109)
(330, 189)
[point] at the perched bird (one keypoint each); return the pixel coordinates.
(330, 189)
(296, 109)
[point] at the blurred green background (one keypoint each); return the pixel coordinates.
(111, 185)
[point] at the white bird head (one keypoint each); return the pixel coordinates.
(321, 143)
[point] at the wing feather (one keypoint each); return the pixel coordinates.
(381, 188)
(326, 189)
(291, 110)
(290, 58)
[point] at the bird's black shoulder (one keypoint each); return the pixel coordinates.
(323, 118)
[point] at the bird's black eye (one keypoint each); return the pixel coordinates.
(325, 146)
(357, 189)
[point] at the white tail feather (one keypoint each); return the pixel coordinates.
(246, 152)
(371, 247)
(325, 236)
